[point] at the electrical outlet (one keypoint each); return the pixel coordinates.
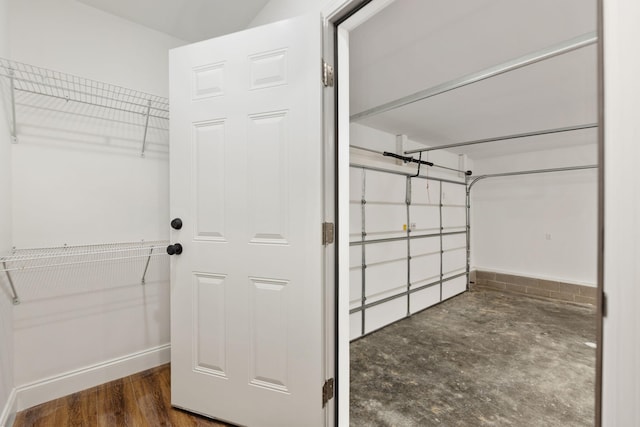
(547, 236)
(413, 226)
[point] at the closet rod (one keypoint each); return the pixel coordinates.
(503, 138)
(407, 159)
(530, 172)
(514, 64)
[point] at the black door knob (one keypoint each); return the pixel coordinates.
(175, 249)
(176, 223)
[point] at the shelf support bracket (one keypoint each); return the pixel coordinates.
(15, 300)
(146, 267)
(14, 132)
(146, 128)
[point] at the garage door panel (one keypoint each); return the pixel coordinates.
(425, 245)
(383, 221)
(355, 256)
(387, 263)
(355, 287)
(355, 184)
(355, 222)
(454, 217)
(385, 187)
(425, 192)
(425, 268)
(355, 325)
(424, 298)
(387, 251)
(454, 241)
(381, 278)
(453, 194)
(454, 262)
(454, 287)
(384, 314)
(425, 218)
(384, 280)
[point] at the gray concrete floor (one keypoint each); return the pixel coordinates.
(483, 358)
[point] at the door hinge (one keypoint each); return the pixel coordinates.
(327, 74)
(604, 305)
(327, 233)
(327, 391)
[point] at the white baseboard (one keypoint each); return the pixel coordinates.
(38, 392)
(8, 414)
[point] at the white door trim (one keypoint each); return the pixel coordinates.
(339, 150)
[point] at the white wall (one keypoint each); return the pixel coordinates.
(78, 180)
(621, 370)
(277, 10)
(6, 308)
(541, 226)
(77, 158)
(69, 36)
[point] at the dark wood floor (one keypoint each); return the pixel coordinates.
(139, 400)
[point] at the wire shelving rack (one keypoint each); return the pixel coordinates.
(133, 107)
(45, 258)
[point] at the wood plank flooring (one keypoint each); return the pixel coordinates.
(140, 400)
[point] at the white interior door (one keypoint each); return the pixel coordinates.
(246, 180)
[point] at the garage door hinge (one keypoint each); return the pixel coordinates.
(327, 391)
(327, 233)
(327, 74)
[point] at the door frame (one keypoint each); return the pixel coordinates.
(336, 128)
(336, 196)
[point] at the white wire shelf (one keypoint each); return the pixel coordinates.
(21, 259)
(29, 82)
(48, 258)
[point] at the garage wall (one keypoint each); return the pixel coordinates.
(541, 226)
(6, 308)
(80, 180)
(399, 263)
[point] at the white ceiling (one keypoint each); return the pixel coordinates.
(413, 45)
(189, 20)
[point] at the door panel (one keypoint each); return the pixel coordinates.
(246, 179)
